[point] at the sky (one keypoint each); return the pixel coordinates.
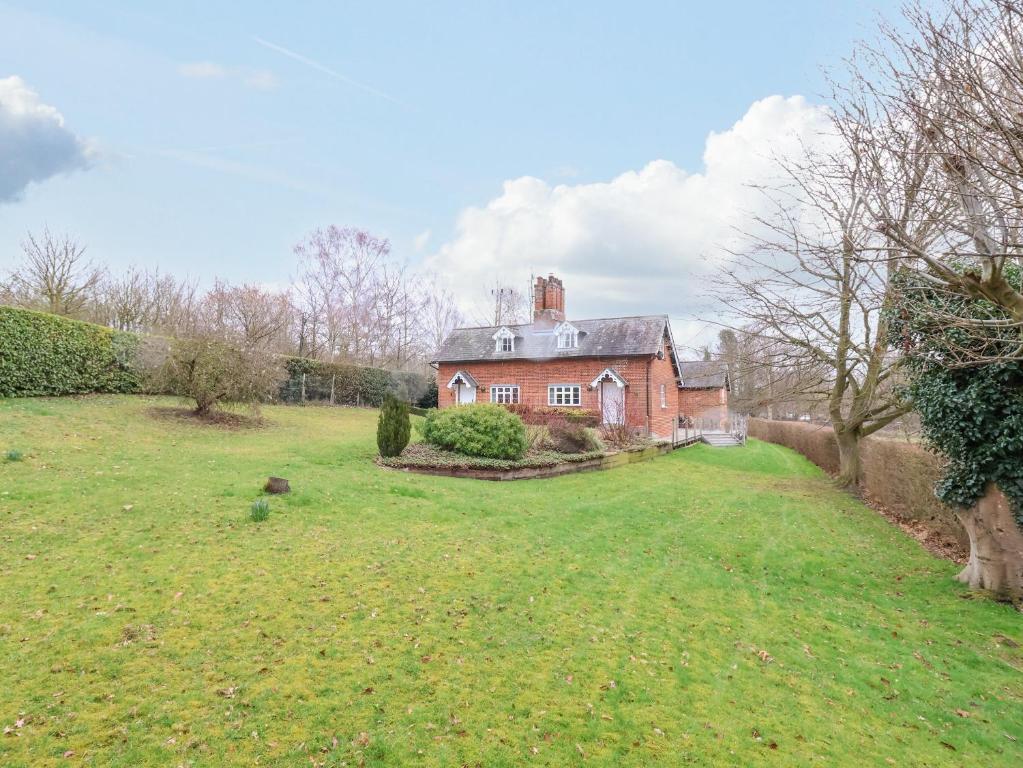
(613, 144)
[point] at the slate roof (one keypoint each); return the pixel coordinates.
(703, 374)
(603, 337)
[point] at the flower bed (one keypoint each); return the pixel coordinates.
(426, 455)
(427, 459)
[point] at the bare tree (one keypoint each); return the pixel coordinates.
(55, 275)
(809, 286)
(340, 271)
(503, 304)
(949, 97)
(769, 377)
(439, 315)
(248, 314)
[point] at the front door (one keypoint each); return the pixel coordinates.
(612, 402)
(466, 394)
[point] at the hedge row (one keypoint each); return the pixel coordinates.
(897, 475)
(350, 384)
(44, 354)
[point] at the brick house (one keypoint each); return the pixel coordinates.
(623, 368)
(703, 393)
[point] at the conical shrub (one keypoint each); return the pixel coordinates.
(393, 427)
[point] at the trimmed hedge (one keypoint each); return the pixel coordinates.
(897, 475)
(44, 354)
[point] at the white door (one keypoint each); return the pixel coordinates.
(612, 402)
(466, 394)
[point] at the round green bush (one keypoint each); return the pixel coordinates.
(483, 430)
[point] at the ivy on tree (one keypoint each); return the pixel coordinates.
(969, 397)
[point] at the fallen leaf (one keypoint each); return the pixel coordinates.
(962, 713)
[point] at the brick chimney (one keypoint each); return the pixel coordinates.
(548, 299)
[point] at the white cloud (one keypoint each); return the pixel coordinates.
(420, 240)
(202, 70)
(646, 241)
(260, 79)
(34, 142)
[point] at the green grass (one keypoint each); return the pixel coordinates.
(711, 607)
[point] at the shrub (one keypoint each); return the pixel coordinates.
(537, 437)
(544, 415)
(14, 455)
(566, 437)
(430, 397)
(260, 510)
(393, 427)
(213, 373)
(43, 354)
(484, 430)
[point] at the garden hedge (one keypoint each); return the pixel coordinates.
(352, 384)
(44, 354)
(897, 475)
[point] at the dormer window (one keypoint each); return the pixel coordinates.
(568, 336)
(504, 341)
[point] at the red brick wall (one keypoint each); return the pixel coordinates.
(662, 420)
(704, 403)
(532, 378)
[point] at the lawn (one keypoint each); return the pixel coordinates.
(709, 607)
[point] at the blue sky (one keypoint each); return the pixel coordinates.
(221, 132)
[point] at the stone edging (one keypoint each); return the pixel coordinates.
(609, 461)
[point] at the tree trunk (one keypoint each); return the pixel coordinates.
(848, 458)
(996, 547)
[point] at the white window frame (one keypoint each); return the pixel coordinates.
(504, 394)
(504, 341)
(572, 392)
(568, 336)
(664, 396)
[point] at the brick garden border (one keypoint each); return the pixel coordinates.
(609, 461)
